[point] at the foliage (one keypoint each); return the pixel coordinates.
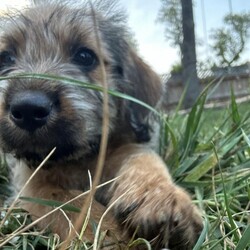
(170, 15)
(230, 40)
(176, 69)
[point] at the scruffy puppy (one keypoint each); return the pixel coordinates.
(36, 115)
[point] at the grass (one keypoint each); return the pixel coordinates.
(208, 153)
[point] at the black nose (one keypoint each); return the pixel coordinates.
(30, 110)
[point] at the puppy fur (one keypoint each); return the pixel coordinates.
(59, 38)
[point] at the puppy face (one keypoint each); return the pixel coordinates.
(56, 39)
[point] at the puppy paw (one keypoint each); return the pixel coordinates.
(164, 216)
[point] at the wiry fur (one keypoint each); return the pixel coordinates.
(44, 39)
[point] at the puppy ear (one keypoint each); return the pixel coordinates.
(144, 85)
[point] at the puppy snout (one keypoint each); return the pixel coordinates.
(30, 110)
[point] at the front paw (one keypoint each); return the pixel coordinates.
(167, 218)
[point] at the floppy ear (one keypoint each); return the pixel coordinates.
(145, 85)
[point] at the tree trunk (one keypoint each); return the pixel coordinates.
(189, 75)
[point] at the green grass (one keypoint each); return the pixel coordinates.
(208, 153)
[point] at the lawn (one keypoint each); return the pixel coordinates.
(208, 153)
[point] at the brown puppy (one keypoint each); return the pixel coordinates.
(56, 38)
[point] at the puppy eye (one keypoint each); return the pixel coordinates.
(6, 59)
(85, 58)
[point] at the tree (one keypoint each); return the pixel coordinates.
(178, 17)
(230, 41)
(188, 59)
(170, 15)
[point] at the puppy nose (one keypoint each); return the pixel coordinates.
(30, 110)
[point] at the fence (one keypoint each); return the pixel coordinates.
(222, 79)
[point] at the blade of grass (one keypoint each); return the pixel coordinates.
(234, 108)
(52, 203)
(174, 142)
(246, 137)
(185, 165)
(202, 237)
(194, 121)
(244, 242)
(178, 107)
(140, 242)
(192, 126)
(227, 203)
(84, 85)
(209, 162)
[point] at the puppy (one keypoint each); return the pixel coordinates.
(39, 114)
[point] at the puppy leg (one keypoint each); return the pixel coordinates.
(158, 209)
(61, 222)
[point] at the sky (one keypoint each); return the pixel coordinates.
(153, 47)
